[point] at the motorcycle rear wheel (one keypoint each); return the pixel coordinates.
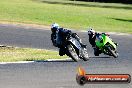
(85, 55)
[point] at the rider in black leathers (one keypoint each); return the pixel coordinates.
(92, 37)
(57, 38)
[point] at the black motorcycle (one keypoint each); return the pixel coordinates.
(72, 48)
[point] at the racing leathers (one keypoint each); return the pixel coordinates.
(58, 38)
(92, 38)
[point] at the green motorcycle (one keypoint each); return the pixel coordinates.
(106, 45)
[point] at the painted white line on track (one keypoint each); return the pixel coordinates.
(18, 62)
(22, 62)
(58, 59)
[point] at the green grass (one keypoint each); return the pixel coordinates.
(70, 14)
(27, 54)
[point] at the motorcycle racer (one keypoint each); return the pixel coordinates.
(92, 37)
(57, 36)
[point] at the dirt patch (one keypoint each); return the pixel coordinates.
(28, 25)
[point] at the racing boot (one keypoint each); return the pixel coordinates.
(96, 51)
(61, 52)
(116, 43)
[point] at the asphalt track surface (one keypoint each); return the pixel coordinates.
(59, 74)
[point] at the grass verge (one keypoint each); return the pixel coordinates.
(10, 54)
(70, 14)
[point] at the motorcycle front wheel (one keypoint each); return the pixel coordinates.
(113, 53)
(72, 52)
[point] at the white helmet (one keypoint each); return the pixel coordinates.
(91, 31)
(55, 25)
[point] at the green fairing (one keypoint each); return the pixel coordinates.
(105, 40)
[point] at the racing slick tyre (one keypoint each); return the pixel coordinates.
(85, 55)
(72, 52)
(113, 53)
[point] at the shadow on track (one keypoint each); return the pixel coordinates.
(70, 60)
(92, 57)
(99, 57)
